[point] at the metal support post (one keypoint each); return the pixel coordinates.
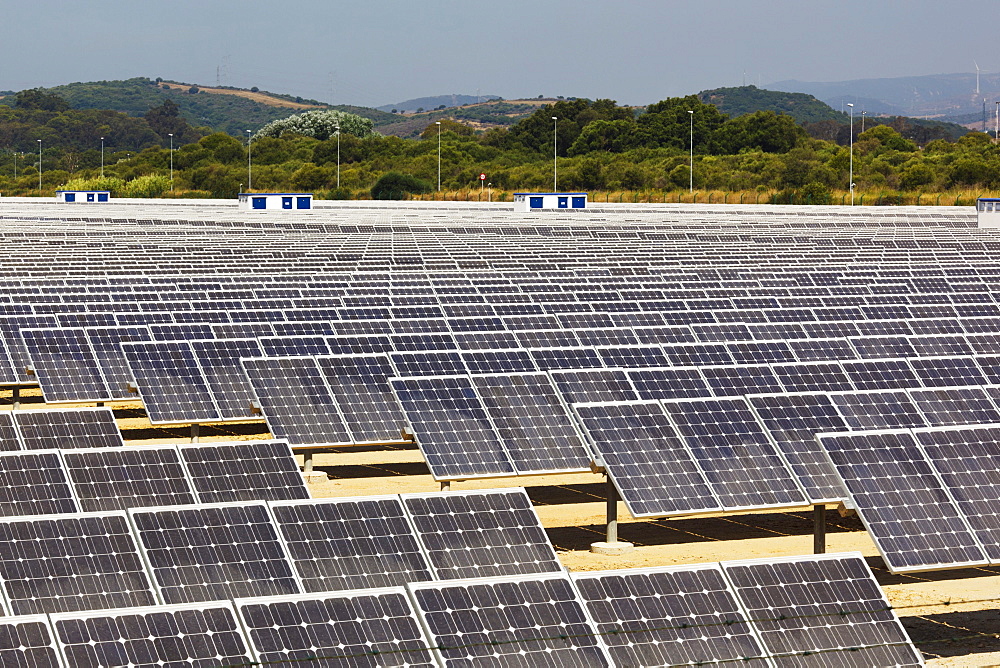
(819, 529)
(612, 546)
(15, 398)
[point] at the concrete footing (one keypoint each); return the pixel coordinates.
(612, 549)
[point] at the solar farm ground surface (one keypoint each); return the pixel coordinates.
(951, 615)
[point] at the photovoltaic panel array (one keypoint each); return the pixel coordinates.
(129, 477)
(34, 483)
(260, 470)
(68, 428)
(176, 635)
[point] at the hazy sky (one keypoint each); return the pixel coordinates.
(372, 52)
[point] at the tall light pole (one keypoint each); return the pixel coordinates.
(39, 166)
(691, 156)
(249, 166)
(850, 177)
(555, 154)
(438, 123)
(996, 130)
(102, 157)
(337, 128)
(171, 161)
(15, 164)
(863, 114)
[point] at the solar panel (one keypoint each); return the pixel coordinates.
(821, 610)
(9, 440)
(820, 350)
(27, 642)
(356, 543)
(172, 635)
(734, 452)
(130, 477)
(812, 377)
(68, 428)
(537, 429)
(792, 421)
(427, 363)
(65, 365)
(369, 627)
(948, 371)
(904, 506)
(702, 354)
(519, 621)
(105, 342)
(296, 401)
(947, 406)
(881, 374)
(172, 386)
(247, 471)
(878, 410)
(482, 533)
(728, 381)
(454, 433)
(940, 346)
(671, 383)
(220, 362)
(496, 361)
(87, 561)
(883, 347)
(673, 616)
(594, 385)
(965, 459)
(34, 483)
(361, 389)
(213, 552)
(761, 352)
(566, 358)
(293, 346)
(652, 469)
(486, 340)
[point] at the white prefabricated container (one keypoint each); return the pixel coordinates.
(275, 201)
(83, 196)
(988, 211)
(532, 201)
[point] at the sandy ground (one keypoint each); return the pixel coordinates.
(250, 95)
(952, 616)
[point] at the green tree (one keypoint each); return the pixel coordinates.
(36, 98)
(394, 185)
(759, 131)
(668, 123)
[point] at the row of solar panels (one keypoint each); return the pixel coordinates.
(803, 611)
(97, 479)
(47, 429)
(209, 552)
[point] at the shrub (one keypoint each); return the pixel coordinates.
(393, 185)
(319, 123)
(815, 193)
(151, 185)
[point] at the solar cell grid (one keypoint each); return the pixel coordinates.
(792, 421)
(352, 628)
(361, 389)
(67, 428)
(27, 642)
(65, 365)
(174, 635)
(296, 402)
(955, 406)
(291, 346)
(878, 410)
(669, 383)
(496, 361)
(735, 453)
(171, 384)
(727, 381)
(652, 469)
(948, 371)
(34, 483)
(487, 533)
(220, 362)
(703, 354)
(533, 620)
(798, 607)
(354, 543)
(245, 471)
(87, 561)
(880, 374)
(452, 427)
(676, 616)
(214, 552)
(902, 502)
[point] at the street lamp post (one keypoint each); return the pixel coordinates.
(863, 114)
(996, 130)
(102, 157)
(249, 166)
(850, 177)
(171, 161)
(39, 166)
(15, 165)
(691, 156)
(555, 154)
(438, 123)
(337, 128)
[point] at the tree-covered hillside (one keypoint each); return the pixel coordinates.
(748, 99)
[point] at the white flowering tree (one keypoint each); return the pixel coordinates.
(319, 123)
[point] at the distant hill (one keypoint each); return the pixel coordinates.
(231, 110)
(493, 114)
(435, 101)
(936, 95)
(748, 99)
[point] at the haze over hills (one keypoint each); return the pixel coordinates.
(936, 95)
(435, 101)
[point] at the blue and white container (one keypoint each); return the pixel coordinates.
(988, 211)
(83, 196)
(543, 201)
(275, 201)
